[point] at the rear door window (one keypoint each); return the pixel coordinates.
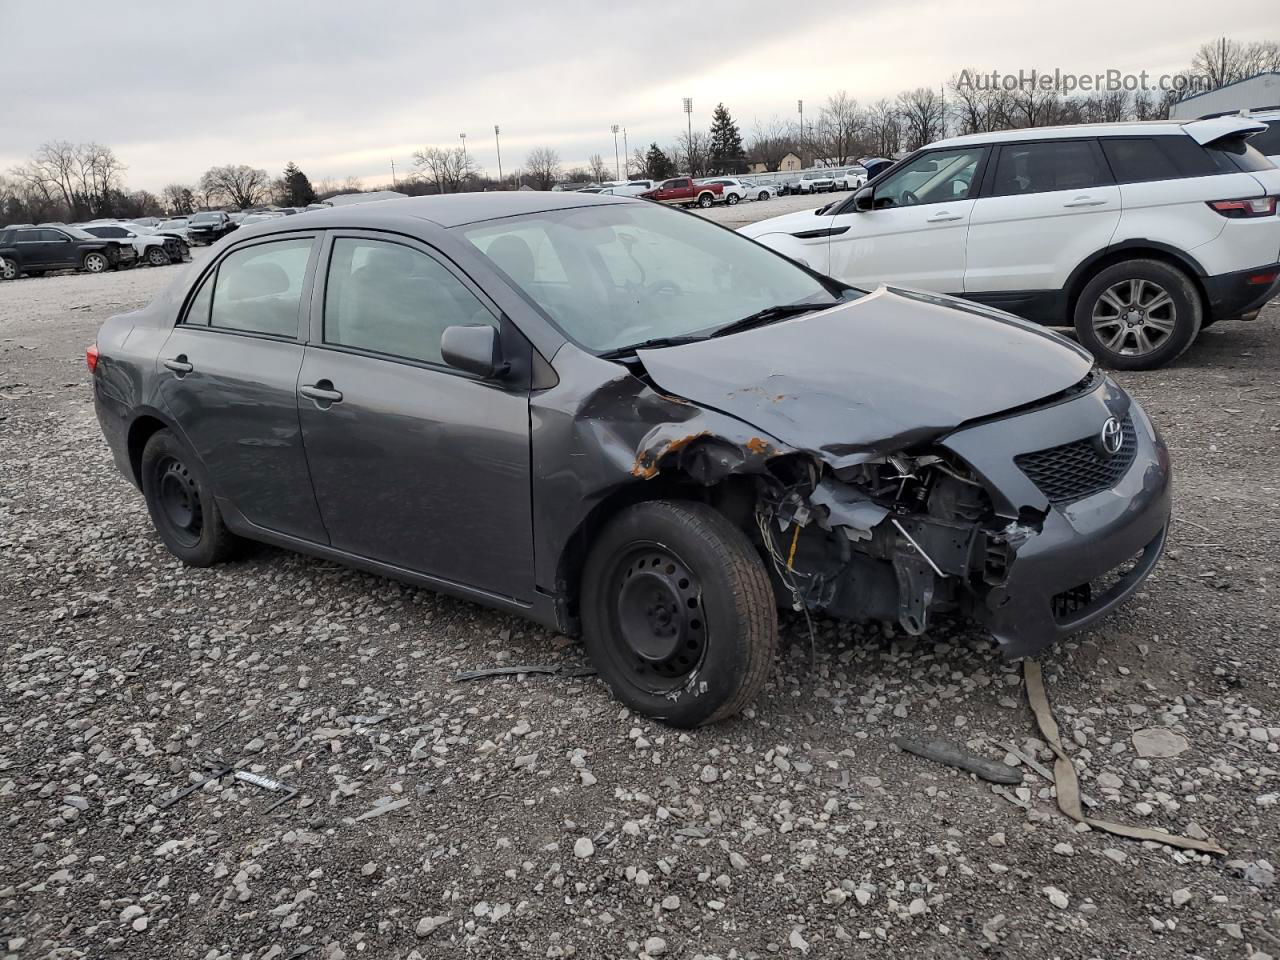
(258, 289)
(1044, 166)
(1139, 159)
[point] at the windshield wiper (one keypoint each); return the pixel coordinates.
(653, 343)
(779, 311)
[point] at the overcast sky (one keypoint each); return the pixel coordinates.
(343, 88)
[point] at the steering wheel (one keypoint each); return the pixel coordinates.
(908, 199)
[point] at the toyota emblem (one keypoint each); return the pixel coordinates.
(1112, 437)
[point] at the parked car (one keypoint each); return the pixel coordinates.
(790, 183)
(35, 251)
(849, 178)
(624, 422)
(732, 189)
(156, 249)
(816, 181)
(1138, 234)
(209, 226)
(176, 226)
(875, 166)
(762, 188)
(685, 192)
(632, 188)
(258, 216)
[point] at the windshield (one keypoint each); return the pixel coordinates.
(204, 217)
(613, 276)
(173, 224)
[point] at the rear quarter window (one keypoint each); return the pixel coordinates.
(1138, 159)
(1268, 142)
(1242, 153)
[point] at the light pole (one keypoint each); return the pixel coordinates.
(498, 146)
(463, 138)
(626, 152)
(800, 110)
(688, 112)
(617, 167)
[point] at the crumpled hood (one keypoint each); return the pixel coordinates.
(872, 376)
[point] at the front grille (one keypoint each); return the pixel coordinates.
(1078, 469)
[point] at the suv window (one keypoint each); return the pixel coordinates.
(391, 299)
(1268, 142)
(258, 288)
(108, 232)
(934, 177)
(1241, 154)
(1048, 165)
(1136, 159)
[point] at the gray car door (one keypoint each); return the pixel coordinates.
(229, 375)
(414, 464)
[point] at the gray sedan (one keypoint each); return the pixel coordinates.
(627, 422)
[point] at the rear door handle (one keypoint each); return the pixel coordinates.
(943, 216)
(1085, 202)
(321, 392)
(179, 365)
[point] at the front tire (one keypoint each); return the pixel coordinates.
(157, 257)
(96, 262)
(678, 613)
(180, 500)
(763, 195)
(1138, 315)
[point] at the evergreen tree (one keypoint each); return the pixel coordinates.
(298, 191)
(727, 155)
(657, 165)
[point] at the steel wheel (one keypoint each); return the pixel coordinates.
(95, 262)
(658, 625)
(1134, 317)
(179, 501)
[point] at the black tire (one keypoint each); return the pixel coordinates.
(180, 501)
(1138, 314)
(764, 195)
(705, 200)
(157, 257)
(9, 269)
(678, 614)
(95, 262)
(732, 199)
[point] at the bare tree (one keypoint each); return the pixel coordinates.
(770, 142)
(974, 108)
(637, 165)
(542, 166)
(691, 153)
(1030, 106)
(884, 127)
(449, 168)
(923, 116)
(599, 172)
(178, 198)
(236, 184)
(840, 129)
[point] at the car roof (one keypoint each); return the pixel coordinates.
(1128, 128)
(448, 210)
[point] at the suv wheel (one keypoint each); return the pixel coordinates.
(181, 502)
(8, 270)
(731, 199)
(157, 257)
(1138, 315)
(96, 262)
(678, 613)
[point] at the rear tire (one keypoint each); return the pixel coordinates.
(764, 195)
(181, 503)
(8, 270)
(732, 199)
(705, 200)
(678, 614)
(1138, 315)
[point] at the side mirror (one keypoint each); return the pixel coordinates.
(476, 350)
(864, 199)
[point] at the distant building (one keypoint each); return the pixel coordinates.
(1254, 93)
(789, 161)
(343, 199)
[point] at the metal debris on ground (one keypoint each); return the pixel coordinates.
(1068, 785)
(216, 774)
(266, 783)
(551, 669)
(386, 805)
(943, 751)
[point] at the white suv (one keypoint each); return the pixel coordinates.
(1138, 234)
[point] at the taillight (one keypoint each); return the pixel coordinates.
(91, 357)
(1239, 209)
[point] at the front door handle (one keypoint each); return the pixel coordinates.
(179, 365)
(944, 217)
(1085, 202)
(322, 393)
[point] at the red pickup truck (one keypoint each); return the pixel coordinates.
(685, 192)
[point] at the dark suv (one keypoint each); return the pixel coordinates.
(209, 226)
(37, 250)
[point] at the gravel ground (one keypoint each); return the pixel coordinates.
(535, 816)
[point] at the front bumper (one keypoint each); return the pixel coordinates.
(1241, 293)
(1052, 586)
